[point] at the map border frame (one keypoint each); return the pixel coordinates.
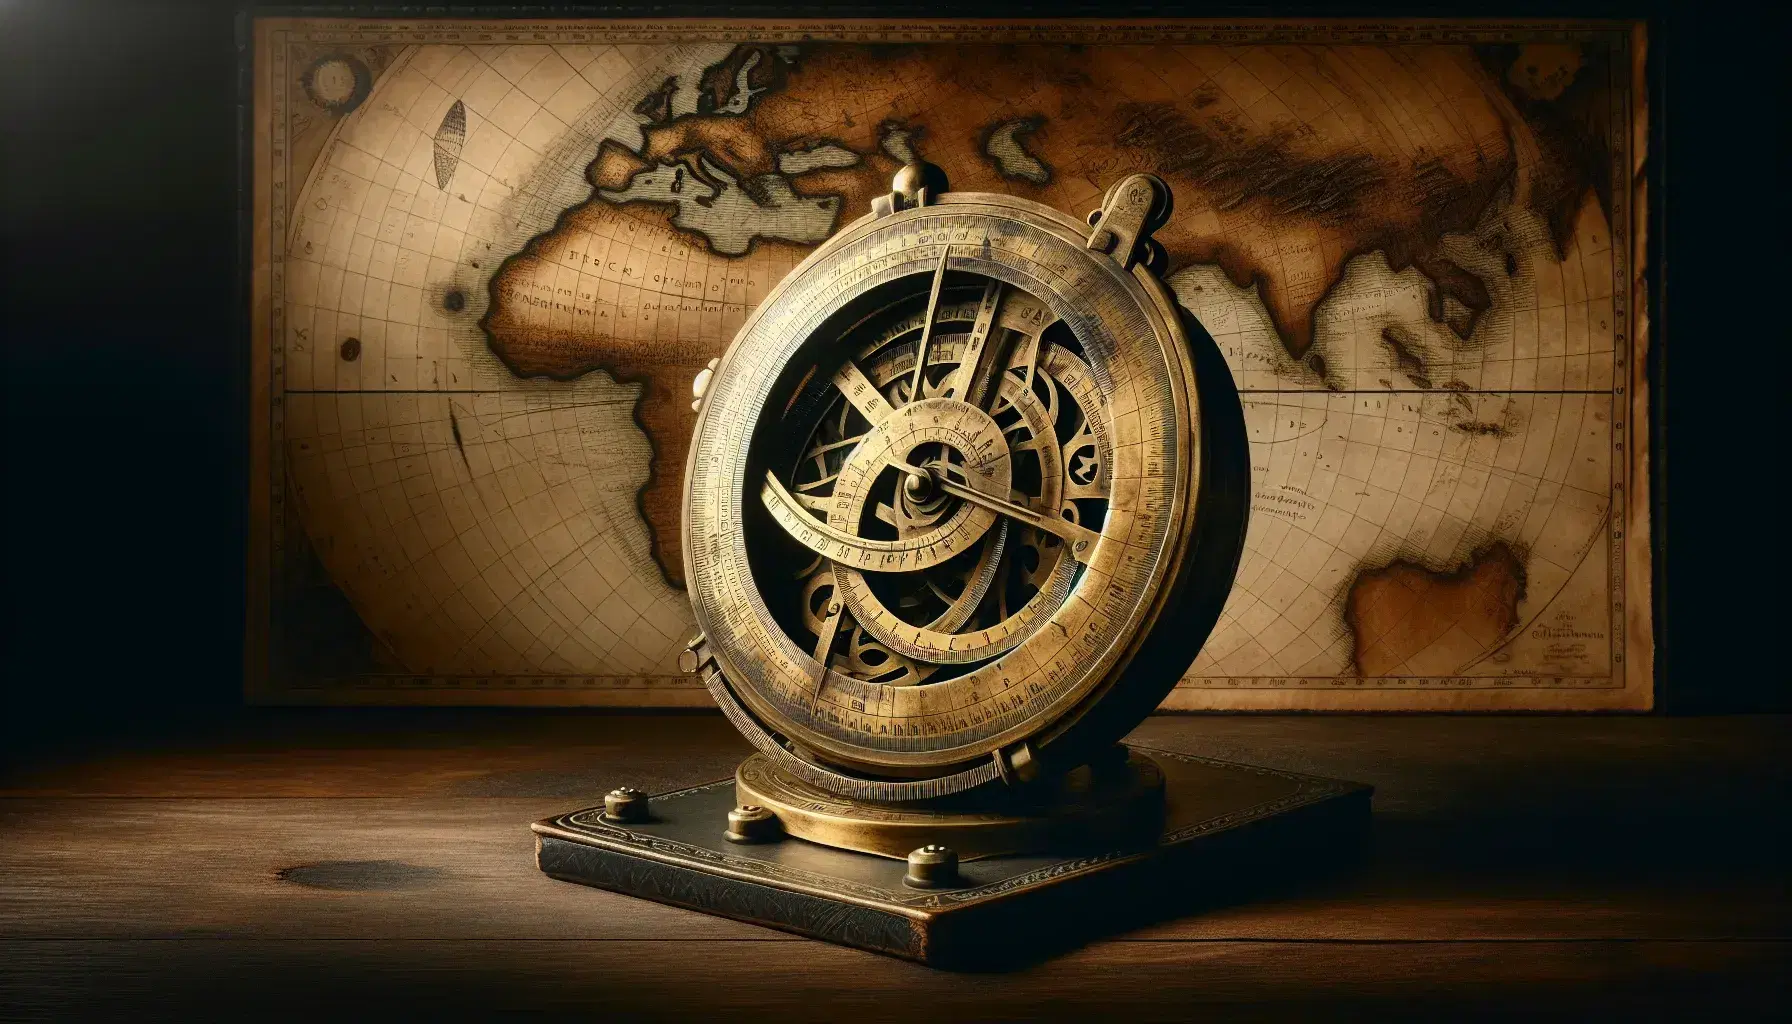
(1631, 541)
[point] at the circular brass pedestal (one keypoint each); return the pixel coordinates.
(1119, 804)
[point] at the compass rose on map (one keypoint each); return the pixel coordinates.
(337, 83)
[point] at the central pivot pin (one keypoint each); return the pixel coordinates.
(918, 487)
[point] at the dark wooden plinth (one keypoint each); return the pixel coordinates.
(1229, 827)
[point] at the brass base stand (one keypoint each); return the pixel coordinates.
(1226, 829)
(1114, 804)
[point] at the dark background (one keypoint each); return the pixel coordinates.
(125, 437)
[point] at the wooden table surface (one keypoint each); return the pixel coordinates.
(302, 864)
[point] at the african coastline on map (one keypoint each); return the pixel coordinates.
(490, 267)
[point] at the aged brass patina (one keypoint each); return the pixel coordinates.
(1082, 809)
(942, 496)
(965, 496)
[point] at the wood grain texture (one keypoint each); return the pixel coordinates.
(319, 863)
(747, 980)
(569, 755)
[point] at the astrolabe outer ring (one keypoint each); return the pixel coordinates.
(1042, 251)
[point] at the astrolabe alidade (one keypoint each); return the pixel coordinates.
(965, 496)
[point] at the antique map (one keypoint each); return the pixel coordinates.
(490, 256)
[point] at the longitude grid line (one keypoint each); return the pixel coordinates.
(1443, 458)
(477, 639)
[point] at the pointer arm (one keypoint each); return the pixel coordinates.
(1080, 539)
(933, 305)
(970, 382)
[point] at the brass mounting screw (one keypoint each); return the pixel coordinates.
(625, 805)
(750, 823)
(691, 658)
(932, 867)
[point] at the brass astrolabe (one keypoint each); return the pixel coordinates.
(965, 496)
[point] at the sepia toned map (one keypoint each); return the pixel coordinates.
(489, 257)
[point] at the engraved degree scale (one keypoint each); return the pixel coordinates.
(966, 495)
